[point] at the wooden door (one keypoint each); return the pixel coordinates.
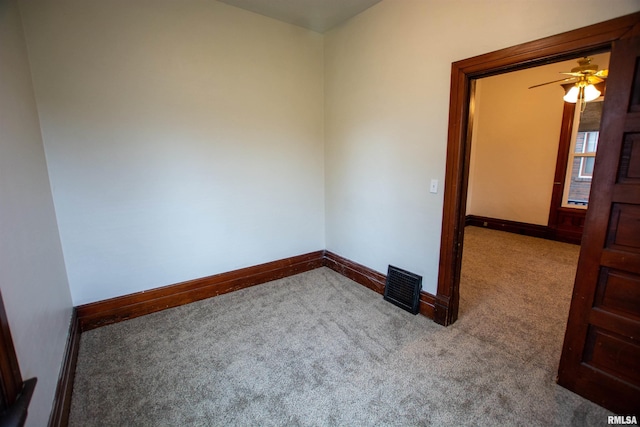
(601, 353)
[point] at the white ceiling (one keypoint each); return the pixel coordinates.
(316, 15)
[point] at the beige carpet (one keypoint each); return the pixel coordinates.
(515, 293)
(318, 349)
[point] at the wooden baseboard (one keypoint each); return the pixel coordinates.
(533, 230)
(565, 236)
(94, 315)
(101, 313)
(125, 307)
(62, 399)
(106, 312)
(356, 272)
(372, 279)
(427, 305)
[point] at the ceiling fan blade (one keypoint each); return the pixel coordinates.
(555, 81)
(593, 80)
(602, 73)
(574, 74)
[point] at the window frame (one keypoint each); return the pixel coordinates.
(581, 173)
(573, 155)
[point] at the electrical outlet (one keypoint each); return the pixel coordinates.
(433, 188)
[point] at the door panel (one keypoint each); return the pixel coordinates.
(630, 162)
(618, 291)
(601, 353)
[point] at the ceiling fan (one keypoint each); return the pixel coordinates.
(584, 77)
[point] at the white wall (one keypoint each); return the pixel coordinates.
(515, 143)
(183, 139)
(186, 138)
(387, 79)
(32, 274)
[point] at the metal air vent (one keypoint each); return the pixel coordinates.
(403, 289)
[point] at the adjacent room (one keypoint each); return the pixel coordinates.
(149, 147)
(516, 287)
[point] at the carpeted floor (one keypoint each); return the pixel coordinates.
(318, 349)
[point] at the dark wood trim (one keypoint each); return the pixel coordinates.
(533, 230)
(101, 313)
(62, 399)
(125, 307)
(15, 394)
(356, 272)
(11, 379)
(16, 415)
(372, 279)
(564, 145)
(565, 224)
(427, 305)
(587, 40)
(562, 233)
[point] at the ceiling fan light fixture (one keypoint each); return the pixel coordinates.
(572, 95)
(591, 93)
(582, 91)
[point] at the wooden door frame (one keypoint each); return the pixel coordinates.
(15, 394)
(586, 40)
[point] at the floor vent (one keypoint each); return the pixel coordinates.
(403, 289)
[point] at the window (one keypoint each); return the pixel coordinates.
(587, 153)
(582, 155)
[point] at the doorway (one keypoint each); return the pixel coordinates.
(581, 42)
(584, 367)
(523, 152)
(515, 289)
